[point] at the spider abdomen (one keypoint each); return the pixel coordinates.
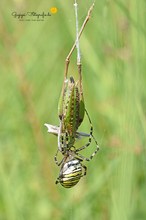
(70, 173)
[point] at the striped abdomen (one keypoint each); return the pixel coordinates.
(70, 173)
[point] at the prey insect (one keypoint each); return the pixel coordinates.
(71, 111)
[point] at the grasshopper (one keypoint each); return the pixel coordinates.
(71, 112)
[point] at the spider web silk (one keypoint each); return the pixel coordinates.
(77, 34)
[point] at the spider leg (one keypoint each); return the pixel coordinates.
(85, 146)
(62, 147)
(56, 160)
(89, 142)
(90, 135)
(85, 170)
(86, 158)
(82, 157)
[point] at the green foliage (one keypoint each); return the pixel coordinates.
(32, 57)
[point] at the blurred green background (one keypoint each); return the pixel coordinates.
(32, 57)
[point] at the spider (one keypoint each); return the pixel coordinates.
(71, 110)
